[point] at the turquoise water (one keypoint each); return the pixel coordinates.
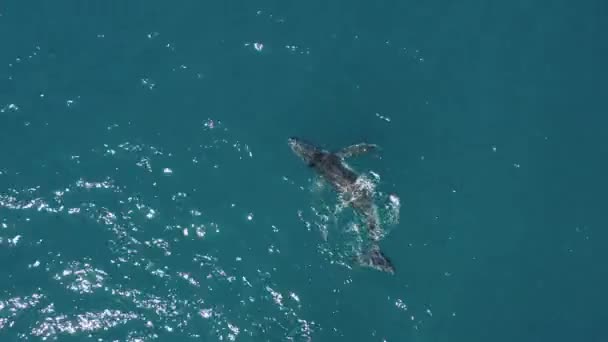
(147, 192)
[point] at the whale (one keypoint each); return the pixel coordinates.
(332, 167)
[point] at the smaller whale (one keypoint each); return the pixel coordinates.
(333, 168)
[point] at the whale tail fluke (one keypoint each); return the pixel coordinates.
(375, 259)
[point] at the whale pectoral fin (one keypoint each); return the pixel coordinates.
(356, 150)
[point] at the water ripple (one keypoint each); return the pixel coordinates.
(81, 278)
(133, 237)
(88, 322)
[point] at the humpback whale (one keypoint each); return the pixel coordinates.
(347, 183)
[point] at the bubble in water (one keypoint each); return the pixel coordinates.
(206, 313)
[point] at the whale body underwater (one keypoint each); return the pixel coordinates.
(332, 167)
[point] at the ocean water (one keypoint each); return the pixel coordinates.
(147, 192)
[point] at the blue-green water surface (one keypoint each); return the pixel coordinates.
(147, 192)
